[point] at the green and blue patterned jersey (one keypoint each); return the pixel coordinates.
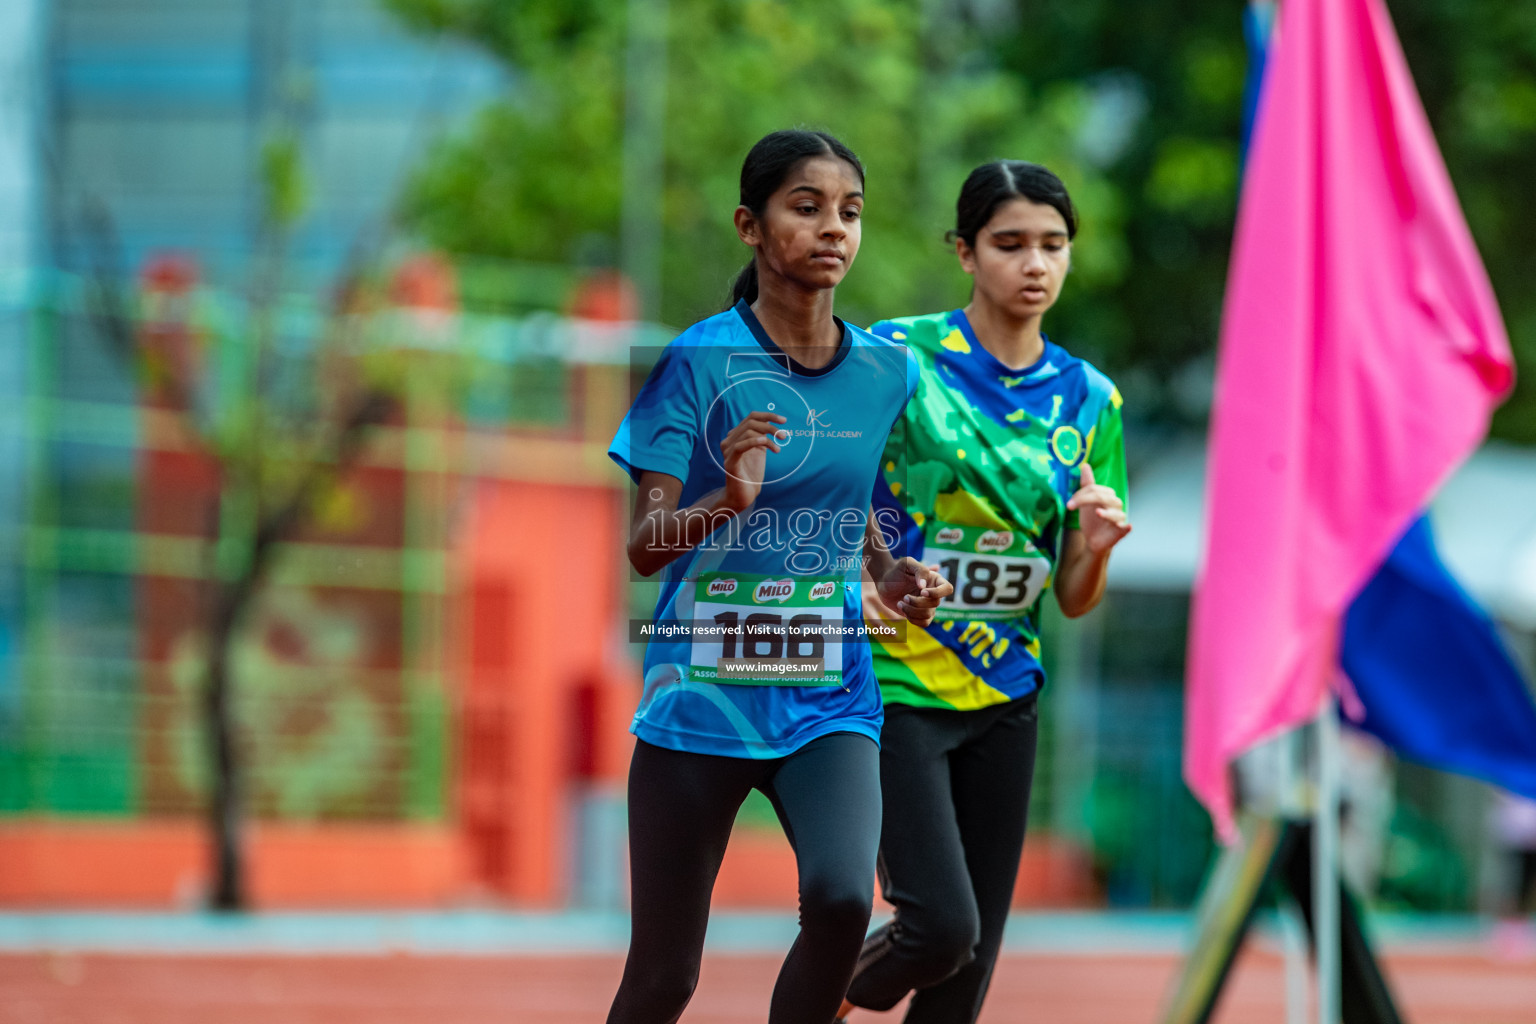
(976, 475)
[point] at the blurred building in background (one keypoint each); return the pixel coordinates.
(23, 100)
(409, 731)
(159, 110)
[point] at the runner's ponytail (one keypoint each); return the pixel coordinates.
(745, 288)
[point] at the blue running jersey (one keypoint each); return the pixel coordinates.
(774, 593)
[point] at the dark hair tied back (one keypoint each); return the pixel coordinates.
(991, 185)
(767, 165)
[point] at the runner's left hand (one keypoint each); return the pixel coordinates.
(915, 590)
(1101, 514)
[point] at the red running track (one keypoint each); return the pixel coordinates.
(1440, 988)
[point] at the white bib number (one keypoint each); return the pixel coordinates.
(997, 574)
(759, 630)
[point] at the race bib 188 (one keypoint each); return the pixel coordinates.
(762, 630)
(997, 574)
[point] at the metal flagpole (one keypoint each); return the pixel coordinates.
(1325, 864)
(1293, 941)
(1292, 806)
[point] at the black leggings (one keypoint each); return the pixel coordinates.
(956, 787)
(681, 808)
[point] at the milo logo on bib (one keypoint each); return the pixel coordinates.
(773, 590)
(995, 540)
(949, 535)
(826, 588)
(721, 588)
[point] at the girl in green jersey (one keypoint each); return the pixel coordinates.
(1006, 472)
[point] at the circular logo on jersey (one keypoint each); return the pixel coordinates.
(1067, 445)
(727, 409)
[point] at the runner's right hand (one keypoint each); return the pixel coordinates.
(746, 450)
(915, 590)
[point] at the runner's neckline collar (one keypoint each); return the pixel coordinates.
(1043, 363)
(772, 348)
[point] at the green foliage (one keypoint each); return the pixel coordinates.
(1421, 869)
(540, 172)
(1137, 106)
(282, 178)
(1175, 174)
(1475, 65)
(1475, 61)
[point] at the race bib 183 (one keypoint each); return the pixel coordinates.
(997, 574)
(762, 630)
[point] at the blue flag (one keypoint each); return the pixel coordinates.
(1258, 27)
(1437, 684)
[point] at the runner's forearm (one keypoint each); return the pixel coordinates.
(878, 561)
(660, 534)
(1081, 577)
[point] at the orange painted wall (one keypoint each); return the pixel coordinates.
(151, 864)
(544, 690)
(540, 603)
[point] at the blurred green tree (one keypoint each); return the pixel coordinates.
(1137, 106)
(1177, 71)
(921, 100)
(1475, 61)
(1475, 64)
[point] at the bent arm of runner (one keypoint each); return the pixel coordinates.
(660, 531)
(1083, 570)
(907, 585)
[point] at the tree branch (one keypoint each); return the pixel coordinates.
(110, 308)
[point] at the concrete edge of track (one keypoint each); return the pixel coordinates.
(490, 933)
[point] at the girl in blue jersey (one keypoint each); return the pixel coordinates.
(1007, 470)
(755, 443)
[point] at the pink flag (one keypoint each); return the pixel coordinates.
(1361, 355)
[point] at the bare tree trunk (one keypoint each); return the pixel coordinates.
(230, 601)
(226, 801)
(231, 597)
